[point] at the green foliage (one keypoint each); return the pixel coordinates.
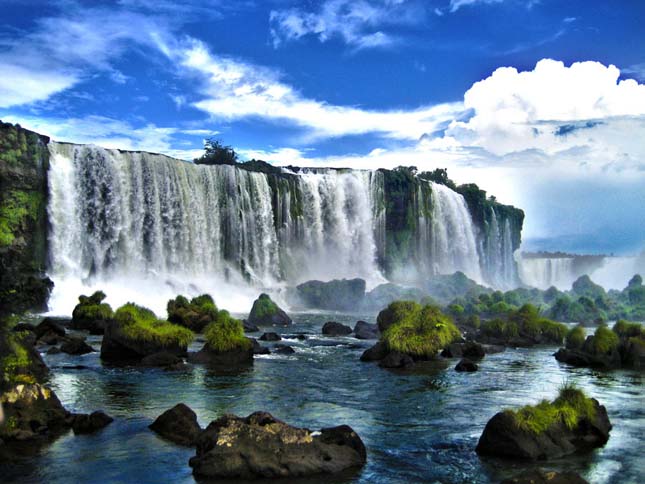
(264, 307)
(418, 331)
(216, 153)
(473, 321)
(14, 359)
(195, 314)
(397, 311)
(575, 337)
(92, 308)
(569, 408)
(501, 329)
(625, 329)
(226, 334)
(16, 209)
(141, 324)
(604, 340)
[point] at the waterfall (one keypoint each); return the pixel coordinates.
(144, 227)
(544, 272)
(497, 249)
(447, 234)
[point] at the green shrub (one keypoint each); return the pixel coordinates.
(419, 331)
(569, 407)
(473, 321)
(604, 340)
(396, 312)
(553, 331)
(625, 329)
(141, 324)
(226, 334)
(195, 314)
(575, 337)
(500, 329)
(15, 360)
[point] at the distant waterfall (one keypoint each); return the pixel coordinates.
(150, 223)
(543, 272)
(497, 250)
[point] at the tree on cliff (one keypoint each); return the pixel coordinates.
(216, 153)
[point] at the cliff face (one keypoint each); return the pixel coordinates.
(24, 160)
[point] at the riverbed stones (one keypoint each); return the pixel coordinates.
(179, 425)
(88, 424)
(261, 446)
(466, 365)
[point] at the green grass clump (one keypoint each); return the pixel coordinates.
(571, 406)
(226, 334)
(625, 329)
(263, 307)
(397, 311)
(604, 340)
(195, 314)
(499, 328)
(92, 308)
(575, 337)
(15, 359)
(141, 324)
(551, 330)
(419, 332)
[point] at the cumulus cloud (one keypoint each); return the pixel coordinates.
(357, 23)
(22, 85)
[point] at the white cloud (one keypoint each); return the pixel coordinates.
(20, 85)
(357, 23)
(457, 4)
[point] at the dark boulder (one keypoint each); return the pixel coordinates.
(395, 359)
(503, 437)
(364, 330)
(265, 312)
(234, 357)
(261, 446)
(538, 476)
(249, 328)
(453, 350)
(87, 424)
(76, 346)
(270, 337)
(49, 327)
(179, 425)
(466, 365)
(332, 328)
(375, 353)
(162, 359)
(338, 294)
(283, 350)
(576, 357)
(119, 347)
(258, 349)
(24, 327)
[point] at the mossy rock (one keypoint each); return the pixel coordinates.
(195, 314)
(226, 344)
(522, 327)
(136, 332)
(20, 363)
(265, 312)
(91, 313)
(571, 423)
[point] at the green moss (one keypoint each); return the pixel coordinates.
(92, 308)
(419, 332)
(141, 324)
(575, 337)
(625, 329)
(15, 361)
(195, 314)
(226, 334)
(500, 328)
(571, 406)
(264, 307)
(397, 311)
(17, 207)
(604, 340)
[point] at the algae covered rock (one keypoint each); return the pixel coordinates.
(225, 344)
(136, 332)
(195, 314)
(571, 423)
(338, 294)
(92, 314)
(261, 446)
(265, 312)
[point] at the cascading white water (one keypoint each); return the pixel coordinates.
(498, 261)
(145, 227)
(544, 272)
(448, 240)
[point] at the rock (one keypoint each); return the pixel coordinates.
(162, 359)
(91, 313)
(76, 346)
(261, 446)
(538, 476)
(466, 365)
(283, 350)
(452, 351)
(502, 437)
(473, 350)
(375, 353)
(364, 330)
(179, 425)
(270, 337)
(54, 350)
(31, 410)
(235, 357)
(395, 359)
(332, 328)
(341, 295)
(49, 326)
(24, 327)
(248, 327)
(265, 312)
(581, 358)
(258, 349)
(492, 349)
(87, 424)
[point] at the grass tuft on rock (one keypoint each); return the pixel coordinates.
(418, 331)
(570, 407)
(604, 341)
(226, 334)
(92, 308)
(575, 338)
(625, 329)
(15, 360)
(141, 324)
(195, 314)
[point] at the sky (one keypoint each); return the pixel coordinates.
(539, 102)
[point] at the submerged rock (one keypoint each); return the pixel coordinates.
(363, 330)
(87, 424)
(163, 359)
(466, 365)
(539, 476)
(258, 349)
(284, 350)
(265, 312)
(394, 359)
(270, 337)
(376, 352)
(179, 425)
(332, 328)
(76, 346)
(261, 446)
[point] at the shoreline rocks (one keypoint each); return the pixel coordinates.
(261, 446)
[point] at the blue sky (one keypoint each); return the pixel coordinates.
(541, 102)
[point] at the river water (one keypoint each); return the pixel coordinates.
(417, 427)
